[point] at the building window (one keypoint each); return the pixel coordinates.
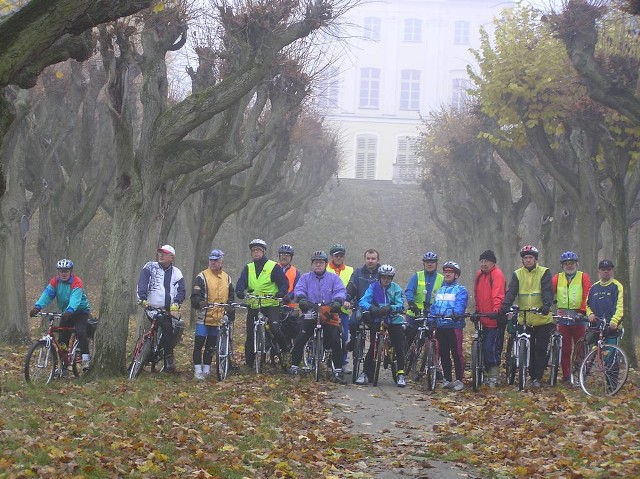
(410, 90)
(413, 30)
(366, 150)
(369, 88)
(372, 26)
(406, 167)
(459, 87)
(461, 35)
(329, 88)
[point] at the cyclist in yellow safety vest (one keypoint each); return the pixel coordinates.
(420, 291)
(337, 266)
(531, 284)
(263, 277)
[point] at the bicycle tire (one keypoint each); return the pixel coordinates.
(580, 350)
(358, 351)
(157, 351)
(222, 354)
(510, 363)
(606, 375)
(430, 370)
(307, 355)
(74, 345)
(40, 363)
(523, 350)
(318, 354)
(556, 350)
(259, 342)
(379, 354)
(141, 356)
(413, 354)
(476, 366)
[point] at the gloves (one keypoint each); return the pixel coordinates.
(544, 310)
(304, 305)
(286, 299)
(240, 294)
(280, 295)
(202, 304)
(336, 306)
(413, 307)
(66, 316)
(374, 310)
(385, 310)
(34, 312)
(174, 307)
(504, 309)
(144, 303)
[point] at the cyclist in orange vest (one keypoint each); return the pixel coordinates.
(288, 313)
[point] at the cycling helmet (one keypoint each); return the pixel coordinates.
(430, 256)
(216, 254)
(320, 255)
(568, 256)
(64, 264)
(529, 250)
(452, 265)
(258, 242)
(337, 248)
(386, 270)
(285, 249)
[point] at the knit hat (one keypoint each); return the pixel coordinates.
(489, 256)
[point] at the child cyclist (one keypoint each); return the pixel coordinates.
(384, 300)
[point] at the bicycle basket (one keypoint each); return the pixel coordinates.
(92, 325)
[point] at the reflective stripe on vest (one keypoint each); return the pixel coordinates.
(569, 295)
(262, 285)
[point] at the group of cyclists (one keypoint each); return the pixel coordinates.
(342, 297)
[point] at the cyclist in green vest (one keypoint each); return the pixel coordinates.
(531, 284)
(420, 291)
(337, 266)
(263, 277)
(570, 288)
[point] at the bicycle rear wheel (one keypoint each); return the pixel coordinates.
(259, 342)
(556, 350)
(40, 363)
(578, 354)
(523, 351)
(604, 372)
(430, 364)
(510, 363)
(413, 354)
(358, 351)
(476, 365)
(222, 355)
(141, 356)
(318, 353)
(379, 356)
(76, 355)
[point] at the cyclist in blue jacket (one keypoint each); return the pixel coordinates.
(450, 300)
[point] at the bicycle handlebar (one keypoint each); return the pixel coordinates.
(51, 316)
(225, 305)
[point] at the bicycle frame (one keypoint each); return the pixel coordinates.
(147, 348)
(520, 350)
(261, 338)
(224, 350)
(359, 340)
(384, 354)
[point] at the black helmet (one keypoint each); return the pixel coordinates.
(320, 255)
(285, 249)
(337, 248)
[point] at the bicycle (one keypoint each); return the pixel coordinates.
(317, 354)
(430, 365)
(605, 368)
(554, 351)
(48, 359)
(264, 343)
(518, 348)
(477, 351)
(148, 348)
(414, 351)
(224, 349)
(358, 341)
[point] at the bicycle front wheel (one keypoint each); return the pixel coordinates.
(413, 355)
(578, 354)
(358, 351)
(523, 351)
(379, 356)
(140, 357)
(259, 342)
(430, 364)
(40, 363)
(556, 350)
(604, 371)
(318, 353)
(222, 355)
(476, 365)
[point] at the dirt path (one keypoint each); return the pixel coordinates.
(398, 432)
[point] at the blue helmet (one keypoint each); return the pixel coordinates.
(568, 256)
(430, 256)
(285, 249)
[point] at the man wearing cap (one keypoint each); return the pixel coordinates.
(161, 285)
(605, 301)
(210, 286)
(337, 266)
(420, 290)
(489, 288)
(262, 277)
(570, 288)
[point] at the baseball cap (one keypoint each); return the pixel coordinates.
(216, 254)
(168, 249)
(605, 264)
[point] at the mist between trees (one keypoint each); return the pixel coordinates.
(115, 166)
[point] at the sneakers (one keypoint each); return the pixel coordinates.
(338, 377)
(446, 384)
(536, 383)
(402, 382)
(457, 385)
(362, 379)
(199, 376)
(293, 370)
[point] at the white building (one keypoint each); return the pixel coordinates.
(405, 58)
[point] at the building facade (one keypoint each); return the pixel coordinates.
(405, 58)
